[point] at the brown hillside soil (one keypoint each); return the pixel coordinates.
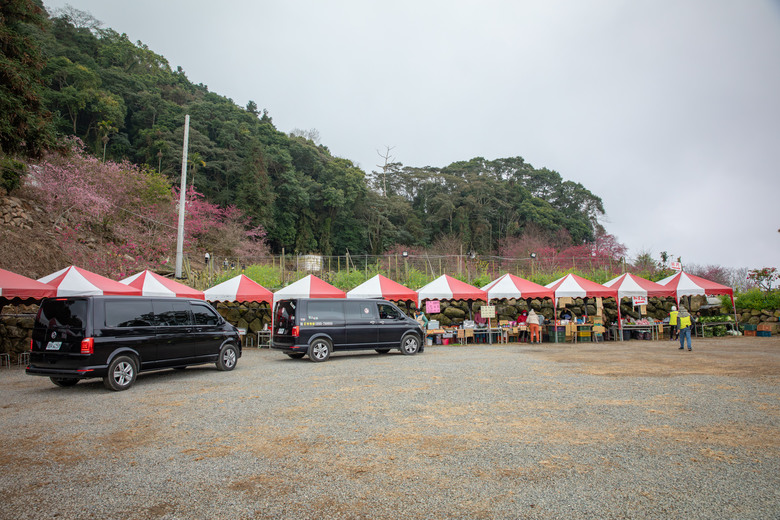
(35, 252)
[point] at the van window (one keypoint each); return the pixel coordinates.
(357, 311)
(388, 312)
(172, 313)
(324, 311)
(285, 314)
(204, 315)
(129, 313)
(63, 313)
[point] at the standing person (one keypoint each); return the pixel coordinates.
(421, 318)
(522, 317)
(684, 327)
(533, 325)
(673, 323)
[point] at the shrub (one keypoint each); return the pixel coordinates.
(11, 172)
(758, 300)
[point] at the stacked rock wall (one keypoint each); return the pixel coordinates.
(16, 326)
(250, 316)
(12, 213)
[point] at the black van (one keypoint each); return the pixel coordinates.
(115, 337)
(318, 326)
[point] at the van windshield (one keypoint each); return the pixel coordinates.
(59, 313)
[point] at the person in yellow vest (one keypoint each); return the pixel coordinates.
(673, 323)
(684, 326)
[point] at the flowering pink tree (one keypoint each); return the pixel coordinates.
(117, 218)
(763, 277)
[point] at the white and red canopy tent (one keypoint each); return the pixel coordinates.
(511, 286)
(383, 287)
(684, 284)
(239, 289)
(152, 284)
(446, 287)
(573, 286)
(309, 287)
(15, 286)
(75, 281)
(629, 285)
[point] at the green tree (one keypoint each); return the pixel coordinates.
(25, 123)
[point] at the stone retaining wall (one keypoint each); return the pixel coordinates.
(12, 213)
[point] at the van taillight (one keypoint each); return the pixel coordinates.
(296, 331)
(88, 346)
(31, 344)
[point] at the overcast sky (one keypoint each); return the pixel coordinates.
(669, 110)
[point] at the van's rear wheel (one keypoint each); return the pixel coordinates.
(319, 350)
(410, 344)
(64, 382)
(121, 374)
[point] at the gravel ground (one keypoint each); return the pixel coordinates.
(622, 430)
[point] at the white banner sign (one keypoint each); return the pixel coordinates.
(639, 300)
(677, 266)
(487, 311)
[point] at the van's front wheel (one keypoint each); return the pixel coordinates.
(228, 357)
(410, 344)
(319, 350)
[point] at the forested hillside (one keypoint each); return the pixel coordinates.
(126, 102)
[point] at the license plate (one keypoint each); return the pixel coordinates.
(53, 345)
(280, 331)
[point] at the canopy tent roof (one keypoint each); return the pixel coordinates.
(75, 281)
(239, 289)
(309, 287)
(382, 287)
(684, 284)
(629, 285)
(152, 284)
(13, 286)
(574, 286)
(446, 287)
(511, 286)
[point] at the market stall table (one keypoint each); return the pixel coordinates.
(652, 329)
(487, 335)
(264, 338)
(699, 326)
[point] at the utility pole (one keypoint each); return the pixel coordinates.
(182, 197)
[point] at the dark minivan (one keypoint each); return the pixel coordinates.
(318, 326)
(115, 337)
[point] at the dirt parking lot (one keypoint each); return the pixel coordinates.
(632, 429)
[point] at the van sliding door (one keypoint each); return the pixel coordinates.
(175, 328)
(362, 324)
